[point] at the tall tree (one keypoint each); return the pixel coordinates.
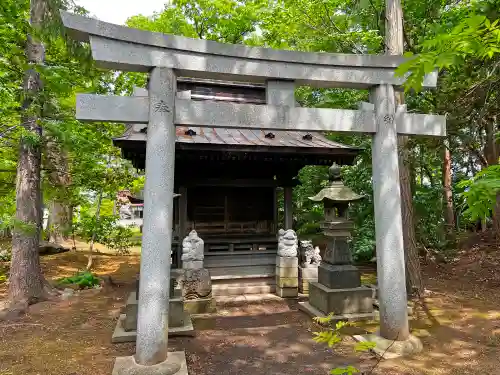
(394, 40)
(449, 214)
(60, 207)
(464, 47)
(26, 282)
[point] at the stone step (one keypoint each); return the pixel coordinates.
(234, 290)
(268, 280)
(220, 273)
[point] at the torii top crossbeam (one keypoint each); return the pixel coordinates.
(122, 48)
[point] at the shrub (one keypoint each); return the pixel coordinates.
(120, 239)
(332, 336)
(107, 232)
(83, 280)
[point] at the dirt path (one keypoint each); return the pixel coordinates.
(459, 324)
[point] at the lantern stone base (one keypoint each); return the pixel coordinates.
(175, 364)
(314, 312)
(307, 275)
(340, 301)
(339, 276)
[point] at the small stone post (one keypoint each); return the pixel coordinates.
(152, 321)
(287, 272)
(388, 221)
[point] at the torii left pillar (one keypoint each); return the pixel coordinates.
(152, 356)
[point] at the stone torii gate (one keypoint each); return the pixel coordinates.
(165, 57)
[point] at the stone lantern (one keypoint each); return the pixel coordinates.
(338, 289)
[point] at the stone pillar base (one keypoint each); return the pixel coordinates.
(175, 364)
(179, 321)
(200, 306)
(176, 314)
(287, 277)
(307, 275)
(389, 349)
(120, 335)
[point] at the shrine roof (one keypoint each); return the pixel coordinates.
(314, 146)
(237, 137)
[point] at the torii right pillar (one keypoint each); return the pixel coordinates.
(394, 336)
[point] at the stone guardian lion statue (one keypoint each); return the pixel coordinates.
(192, 247)
(287, 243)
(309, 255)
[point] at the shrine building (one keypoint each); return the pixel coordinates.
(228, 180)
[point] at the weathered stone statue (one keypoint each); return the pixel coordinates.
(287, 243)
(195, 283)
(309, 255)
(192, 248)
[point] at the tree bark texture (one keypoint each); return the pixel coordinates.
(60, 209)
(449, 215)
(394, 40)
(90, 261)
(26, 282)
(59, 222)
(492, 153)
(412, 260)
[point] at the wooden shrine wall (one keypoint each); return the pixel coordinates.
(231, 211)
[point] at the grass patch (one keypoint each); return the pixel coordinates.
(82, 280)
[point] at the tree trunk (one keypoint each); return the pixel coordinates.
(449, 215)
(60, 220)
(492, 153)
(90, 261)
(60, 210)
(394, 41)
(496, 219)
(26, 282)
(413, 272)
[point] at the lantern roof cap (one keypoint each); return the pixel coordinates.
(336, 191)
